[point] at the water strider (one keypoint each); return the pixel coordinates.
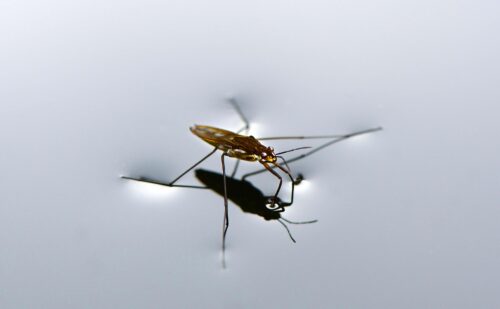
(249, 148)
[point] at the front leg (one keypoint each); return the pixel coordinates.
(156, 182)
(274, 205)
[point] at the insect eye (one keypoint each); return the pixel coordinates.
(263, 154)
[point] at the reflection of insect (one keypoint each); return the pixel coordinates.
(248, 148)
(242, 193)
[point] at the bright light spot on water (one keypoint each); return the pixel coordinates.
(255, 129)
(304, 186)
(151, 191)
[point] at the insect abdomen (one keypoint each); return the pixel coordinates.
(209, 134)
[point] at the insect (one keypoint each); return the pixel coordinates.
(249, 148)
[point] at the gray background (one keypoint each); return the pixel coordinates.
(91, 90)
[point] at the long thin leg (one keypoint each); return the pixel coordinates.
(225, 224)
(193, 166)
(280, 220)
(237, 164)
(336, 140)
(288, 231)
(299, 222)
(292, 180)
(240, 113)
(235, 169)
(156, 182)
(279, 177)
(284, 161)
(320, 136)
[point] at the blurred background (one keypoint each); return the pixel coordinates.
(93, 90)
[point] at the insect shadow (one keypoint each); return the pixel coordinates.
(243, 194)
(249, 148)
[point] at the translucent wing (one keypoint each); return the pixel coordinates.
(229, 141)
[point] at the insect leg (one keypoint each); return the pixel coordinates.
(299, 222)
(286, 228)
(341, 136)
(156, 182)
(291, 178)
(284, 161)
(235, 169)
(225, 224)
(193, 166)
(244, 129)
(275, 198)
(234, 103)
(336, 139)
(237, 164)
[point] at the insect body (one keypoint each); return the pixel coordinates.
(237, 146)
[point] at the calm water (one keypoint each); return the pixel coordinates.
(407, 217)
